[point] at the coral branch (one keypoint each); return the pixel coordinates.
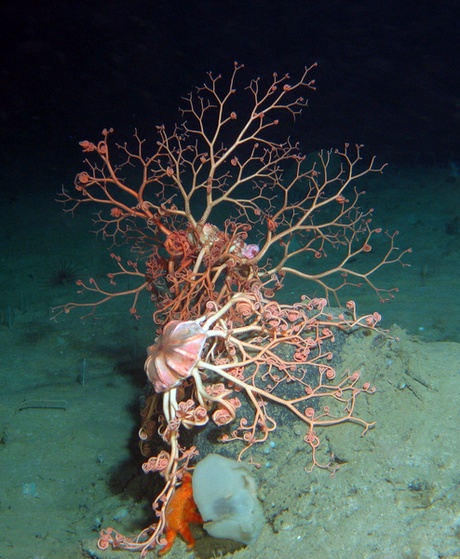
(218, 213)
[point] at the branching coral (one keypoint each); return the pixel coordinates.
(227, 352)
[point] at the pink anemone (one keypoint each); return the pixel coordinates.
(172, 358)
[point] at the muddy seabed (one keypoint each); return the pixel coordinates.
(69, 463)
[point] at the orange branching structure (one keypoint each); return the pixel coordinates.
(218, 214)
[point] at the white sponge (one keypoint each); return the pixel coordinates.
(226, 496)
